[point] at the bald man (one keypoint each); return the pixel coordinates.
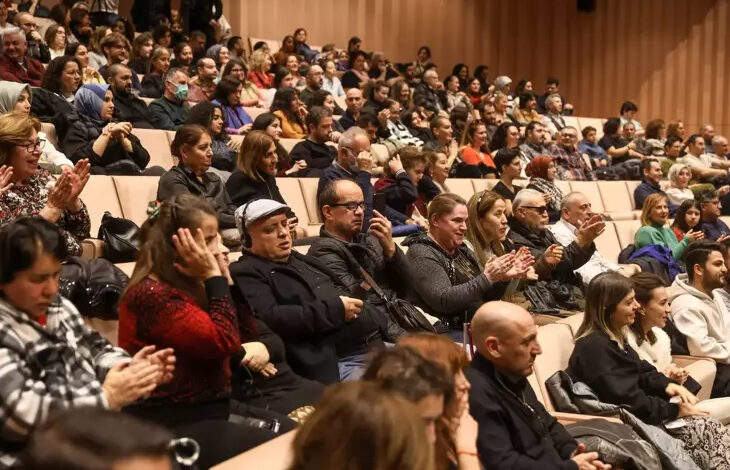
(515, 430)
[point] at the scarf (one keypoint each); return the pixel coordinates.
(89, 100)
(10, 93)
(548, 187)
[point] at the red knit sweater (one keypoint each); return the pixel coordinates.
(152, 312)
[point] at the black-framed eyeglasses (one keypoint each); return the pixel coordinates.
(350, 206)
(40, 143)
(540, 209)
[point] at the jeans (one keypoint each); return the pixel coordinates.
(352, 367)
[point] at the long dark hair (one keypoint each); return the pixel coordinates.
(283, 99)
(644, 284)
(156, 251)
(604, 294)
(499, 139)
(52, 78)
(202, 115)
(225, 87)
(680, 218)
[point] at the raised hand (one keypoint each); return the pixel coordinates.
(395, 165)
(496, 268)
(553, 255)
(81, 174)
(59, 195)
(522, 264)
(195, 259)
(382, 229)
(590, 230)
(6, 177)
(365, 161)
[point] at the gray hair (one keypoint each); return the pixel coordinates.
(14, 31)
(552, 98)
(525, 196)
(347, 139)
(569, 199)
(501, 82)
(674, 170)
(718, 139)
(170, 74)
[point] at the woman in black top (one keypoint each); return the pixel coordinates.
(604, 361)
(153, 83)
(509, 166)
(615, 146)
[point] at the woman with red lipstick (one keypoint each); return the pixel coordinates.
(603, 360)
(31, 191)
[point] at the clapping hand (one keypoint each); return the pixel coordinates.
(164, 359)
(126, 383)
(590, 230)
(553, 255)
(496, 267)
(6, 177)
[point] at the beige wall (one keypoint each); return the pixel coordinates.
(670, 56)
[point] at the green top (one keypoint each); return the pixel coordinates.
(656, 234)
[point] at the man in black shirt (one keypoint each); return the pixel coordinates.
(127, 107)
(314, 79)
(381, 70)
(354, 103)
(515, 430)
(314, 150)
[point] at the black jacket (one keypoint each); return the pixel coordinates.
(78, 143)
(47, 105)
(133, 110)
(309, 318)
(152, 85)
(165, 114)
(317, 156)
(345, 260)
(242, 189)
(180, 180)
(438, 289)
(574, 256)
(400, 195)
(515, 430)
(618, 376)
(434, 100)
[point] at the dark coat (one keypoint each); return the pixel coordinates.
(164, 114)
(574, 256)
(317, 156)
(345, 260)
(47, 105)
(78, 143)
(133, 110)
(152, 85)
(619, 377)
(515, 430)
(181, 180)
(242, 189)
(400, 196)
(310, 319)
(430, 99)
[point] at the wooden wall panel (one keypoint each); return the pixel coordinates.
(670, 56)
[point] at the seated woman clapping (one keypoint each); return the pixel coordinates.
(603, 360)
(50, 360)
(33, 192)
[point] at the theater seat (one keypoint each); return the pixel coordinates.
(50, 129)
(100, 195)
(563, 186)
(482, 184)
(590, 191)
(461, 186)
(631, 187)
(340, 100)
(289, 144)
(255, 112)
(572, 121)
(593, 122)
(155, 141)
(309, 192)
(291, 191)
(625, 231)
(556, 341)
(607, 243)
(616, 200)
(135, 193)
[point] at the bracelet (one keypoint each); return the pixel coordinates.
(467, 452)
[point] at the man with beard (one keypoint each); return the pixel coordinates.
(127, 107)
(700, 302)
(314, 79)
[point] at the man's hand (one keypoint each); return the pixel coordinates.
(553, 255)
(352, 307)
(590, 230)
(382, 229)
(383, 117)
(587, 460)
(257, 356)
(365, 161)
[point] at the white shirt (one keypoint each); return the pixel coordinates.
(333, 85)
(51, 155)
(678, 196)
(565, 234)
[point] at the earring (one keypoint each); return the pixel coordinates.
(642, 312)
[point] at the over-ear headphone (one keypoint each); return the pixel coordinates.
(245, 237)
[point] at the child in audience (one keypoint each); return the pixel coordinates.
(653, 231)
(403, 172)
(687, 218)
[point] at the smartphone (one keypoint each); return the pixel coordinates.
(379, 203)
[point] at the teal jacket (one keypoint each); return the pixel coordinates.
(660, 235)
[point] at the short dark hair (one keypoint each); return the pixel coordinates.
(232, 42)
(263, 121)
(646, 163)
(197, 34)
(368, 118)
(505, 157)
(403, 370)
(52, 78)
(90, 438)
(315, 115)
(707, 195)
(328, 195)
(553, 81)
(671, 140)
(160, 31)
(318, 97)
(628, 106)
(611, 126)
(23, 240)
(697, 252)
(202, 115)
(691, 139)
(225, 87)
(586, 130)
(526, 97)
(532, 125)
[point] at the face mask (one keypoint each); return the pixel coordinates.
(181, 92)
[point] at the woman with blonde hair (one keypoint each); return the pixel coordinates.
(679, 176)
(255, 173)
(456, 431)
(654, 229)
(603, 360)
(375, 429)
(260, 74)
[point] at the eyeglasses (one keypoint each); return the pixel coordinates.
(40, 143)
(540, 209)
(350, 206)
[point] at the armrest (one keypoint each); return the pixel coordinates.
(684, 361)
(92, 248)
(570, 418)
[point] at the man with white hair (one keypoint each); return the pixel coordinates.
(574, 211)
(430, 94)
(528, 227)
(15, 66)
(553, 119)
(381, 70)
(720, 149)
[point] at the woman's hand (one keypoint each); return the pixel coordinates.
(257, 356)
(244, 129)
(678, 374)
(676, 390)
(6, 177)
(60, 193)
(196, 260)
(269, 370)
(465, 435)
(164, 358)
(79, 177)
(687, 409)
(496, 268)
(126, 383)
(693, 235)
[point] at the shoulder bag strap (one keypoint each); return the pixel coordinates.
(374, 285)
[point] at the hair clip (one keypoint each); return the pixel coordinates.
(153, 209)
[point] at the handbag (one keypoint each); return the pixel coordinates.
(121, 237)
(94, 286)
(402, 312)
